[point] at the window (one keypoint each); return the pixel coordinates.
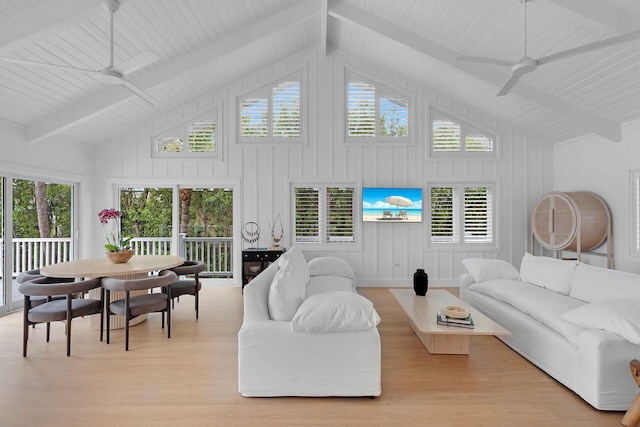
(635, 215)
(324, 214)
(196, 138)
(272, 113)
(461, 214)
(375, 112)
(452, 137)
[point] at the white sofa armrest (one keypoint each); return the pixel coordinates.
(256, 295)
(466, 280)
(602, 370)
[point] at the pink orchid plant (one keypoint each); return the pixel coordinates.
(115, 242)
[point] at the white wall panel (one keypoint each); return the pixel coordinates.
(389, 253)
(593, 164)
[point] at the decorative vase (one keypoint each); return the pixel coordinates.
(120, 257)
(420, 282)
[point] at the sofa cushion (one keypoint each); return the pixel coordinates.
(330, 266)
(335, 312)
(318, 284)
(550, 273)
(544, 305)
(620, 316)
(298, 263)
(596, 283)
(489, 269)
(286, 293)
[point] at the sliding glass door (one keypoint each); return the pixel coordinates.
(37, 225)
(197, 221)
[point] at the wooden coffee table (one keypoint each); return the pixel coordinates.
(423, 310)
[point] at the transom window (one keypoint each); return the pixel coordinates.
(195, 138)
(272, 113)
(453, 137)
(324, 214)
(461, 214)
(375, 112)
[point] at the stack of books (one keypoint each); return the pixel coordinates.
(464, 322)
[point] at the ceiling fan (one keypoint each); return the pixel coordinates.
(111, 74)
(527, 64)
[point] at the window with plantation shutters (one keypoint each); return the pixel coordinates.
(635, 214)
(361, 109)
(307, 209)
(374, 112)
(254, 117)
(461, 214)
(286, 110)
(324, 214)
(453, 137)
(201, 137)
(194, 138)
(272, 113)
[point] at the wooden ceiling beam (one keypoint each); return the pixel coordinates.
(324, 21)
(86, 110)
(585, 119)
(597, 14)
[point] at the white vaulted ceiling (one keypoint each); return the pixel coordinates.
(204, 45)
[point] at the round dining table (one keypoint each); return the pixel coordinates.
(138, 267)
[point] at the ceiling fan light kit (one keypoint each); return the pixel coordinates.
(111, 74)
(527, 65)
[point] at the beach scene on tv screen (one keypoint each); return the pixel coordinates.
(392, 204)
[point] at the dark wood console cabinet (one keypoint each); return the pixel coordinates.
(255, 260)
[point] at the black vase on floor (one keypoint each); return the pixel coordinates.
(420, 282)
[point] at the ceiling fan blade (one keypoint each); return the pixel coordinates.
(45, 65)
(634, 35)
(141, 93)
(135, 63)
(485, 60)
(509, 84)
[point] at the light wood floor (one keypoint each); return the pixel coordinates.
(191, 379)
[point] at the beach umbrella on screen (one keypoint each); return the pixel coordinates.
(399, 201)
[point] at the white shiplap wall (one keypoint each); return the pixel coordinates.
(261, 174)
(604, 167)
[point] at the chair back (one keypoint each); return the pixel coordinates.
(164, 278)
(189, 267)
(48, 286)
(25, 276)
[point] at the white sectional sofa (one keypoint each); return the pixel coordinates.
(577, 322)
(307, 332)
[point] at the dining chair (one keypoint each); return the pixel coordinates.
(28, 275)
(58, 309)
(186, 286)
(137, 305)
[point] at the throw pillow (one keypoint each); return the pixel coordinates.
(337, 311)
(620, 316)
(550, 273)
(286, 293)
(298, 262)
(330, 266)
(591, 283)
(490, 269)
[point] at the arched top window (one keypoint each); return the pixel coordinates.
(375, 112)
(272, 113)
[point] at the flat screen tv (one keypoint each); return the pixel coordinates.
(392, 204)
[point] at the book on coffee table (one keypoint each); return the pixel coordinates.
(465, 322)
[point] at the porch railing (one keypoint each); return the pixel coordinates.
(215, 252)
(31, 254)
